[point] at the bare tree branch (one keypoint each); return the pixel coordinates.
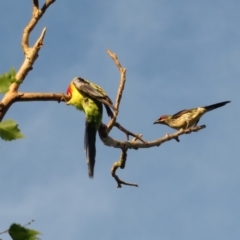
(31, 54)
(121, 164)
(36, 16)
(109, 141)
(27, 97)
(136, 145)
(125, 145)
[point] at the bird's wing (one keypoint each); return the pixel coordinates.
(86, 87)
(93, 91)
(180, 113)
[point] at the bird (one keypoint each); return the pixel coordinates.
(89, 98)
(187, 118)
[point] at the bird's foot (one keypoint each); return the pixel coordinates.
(194, 128)
(64, 99)
(182, 129)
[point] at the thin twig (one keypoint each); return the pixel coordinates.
(27, 224)
(120, 89)
(128, 133)
(4, 231)
(35, 3)
(135, 138)
(47, 4)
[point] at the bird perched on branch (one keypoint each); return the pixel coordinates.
(187, 118)
(89, 97)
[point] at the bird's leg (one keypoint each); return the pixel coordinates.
(195, 123)
(187, 126)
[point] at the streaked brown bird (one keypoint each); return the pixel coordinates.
(187, 118)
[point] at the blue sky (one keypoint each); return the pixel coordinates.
(178, 55)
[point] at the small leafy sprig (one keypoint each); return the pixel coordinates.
(17, 232)
(6, 79)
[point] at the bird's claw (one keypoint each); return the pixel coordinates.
(64, 99)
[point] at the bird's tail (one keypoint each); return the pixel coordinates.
(216, 105)
(89, 146)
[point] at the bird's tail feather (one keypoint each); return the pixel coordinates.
(107, 102)
(109, 111)
(216, 105)
(89, 146)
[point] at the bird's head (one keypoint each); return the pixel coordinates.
(78, 82)
(75, 83)
(161, 120)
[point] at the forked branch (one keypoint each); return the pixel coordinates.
(121, 164)
(124, 146)
(31, 54)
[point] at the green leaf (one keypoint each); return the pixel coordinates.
(6, 80)
(9, 130)
(17, 232)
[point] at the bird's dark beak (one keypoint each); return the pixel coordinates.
(157, 122)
